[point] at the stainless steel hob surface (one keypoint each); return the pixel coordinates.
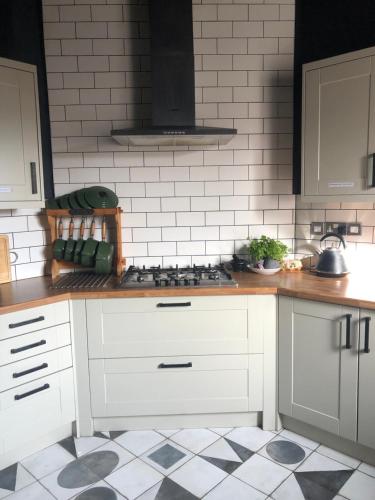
(174, 277)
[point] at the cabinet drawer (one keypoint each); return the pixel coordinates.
(44, 405)
(35, 367)
(32, 344)
(36, 318)
(156, 386)
(167, 332)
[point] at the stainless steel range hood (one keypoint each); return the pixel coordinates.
(173, 84)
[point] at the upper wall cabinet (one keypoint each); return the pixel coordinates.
(338, 134)
(21, 170)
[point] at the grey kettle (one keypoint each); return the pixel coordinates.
(332, 263)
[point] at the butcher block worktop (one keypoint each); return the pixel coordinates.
(357, 290)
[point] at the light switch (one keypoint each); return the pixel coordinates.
(317, 228)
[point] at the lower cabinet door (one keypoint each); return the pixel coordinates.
(318, 364)
(366, 399)
(169, 385)
(35, 409)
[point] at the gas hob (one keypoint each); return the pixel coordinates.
(173, 277)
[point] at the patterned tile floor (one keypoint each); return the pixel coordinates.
(188, 464)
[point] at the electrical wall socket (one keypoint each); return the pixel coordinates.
(343, 228)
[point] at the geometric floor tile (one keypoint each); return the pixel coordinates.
(195, 440)
(288, 490)
(301, 440)
(226, 455)
(198, 476)
(87, 469)
(138, 442)
(14, 478)
(359, 487)
(322, 485)
(134, 479)
(167, 490)
(34, 491)
(166, 457)
(284, 452)
(339, 457)
(83, 475)
(99, 466)
(46, 461)
(101, 491)
(233, 488)
(252, 438)
(262, 474)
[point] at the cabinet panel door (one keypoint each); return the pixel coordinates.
(19, 137)
(317, 374)
(194, 384)
(366, 399)
(336, 128)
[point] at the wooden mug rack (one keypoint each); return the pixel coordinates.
(54, 215)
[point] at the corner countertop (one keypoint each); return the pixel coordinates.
(356, 290)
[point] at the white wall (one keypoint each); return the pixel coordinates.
(182, 205)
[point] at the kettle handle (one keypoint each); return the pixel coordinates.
(338, 236)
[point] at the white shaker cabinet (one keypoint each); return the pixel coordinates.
(21, 169)
(318, 364)
(338, 134)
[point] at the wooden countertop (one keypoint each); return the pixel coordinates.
(357, 290)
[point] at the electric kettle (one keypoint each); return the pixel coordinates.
(332, 263)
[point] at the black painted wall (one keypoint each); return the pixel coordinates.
(326, 28)
(21, 38)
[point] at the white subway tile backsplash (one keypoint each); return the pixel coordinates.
(161, 249)
(146, 234)
(191, 248)
(160, 189)
(190, 218)
(189, 188)
(204, 203)
(175, 234)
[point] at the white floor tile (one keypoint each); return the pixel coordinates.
(233, 488)
(221, 430)
(338, 456)
(198, 476)
(221, 449)
(318, 462)
(33, 492)
(292, 466)
(367, 469)
(288, 490)
(195, 440)
(137, 442)
(166, 471)
(252, 438)
(167, 432)
(134, 479)
(151, 493)
(303, 441)
(44, 462)
(262, 474)
(359, 487)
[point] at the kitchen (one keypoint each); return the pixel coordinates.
(209, 393)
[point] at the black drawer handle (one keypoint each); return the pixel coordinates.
(174, 304)
(27, 347)
(31, 370)
(348, 333)
(367, 335)
(30, 393)
(178, 365)
(34, 184)
(26, 322)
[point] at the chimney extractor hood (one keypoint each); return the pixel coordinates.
(173, 85)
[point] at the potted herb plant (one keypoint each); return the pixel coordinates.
(267, 253)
